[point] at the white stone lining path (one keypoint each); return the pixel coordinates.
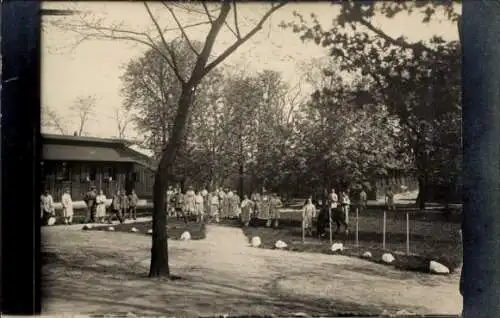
(223, 274)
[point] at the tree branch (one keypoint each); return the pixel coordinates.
(53, 120)
(200, 68)
(181, 28)
(397, 42)
(173, 64)
(242, 40)
(207, 12)
(231, 29)
(238, 34)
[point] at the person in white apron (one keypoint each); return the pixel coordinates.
(199, 207)
(345, 203)
(214, 206)
(47, 207)
(67, 204)
(308, 213)
(100, 213)
(246, 211)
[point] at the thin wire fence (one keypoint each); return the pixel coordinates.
(402, 231)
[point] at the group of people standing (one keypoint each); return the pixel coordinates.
(122, 206)
(222, 204)
(335, 209)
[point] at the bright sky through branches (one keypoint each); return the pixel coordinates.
(94, 67)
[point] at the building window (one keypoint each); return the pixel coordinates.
(109, 173)
(88, 173)
(62, 172)
(92, 173)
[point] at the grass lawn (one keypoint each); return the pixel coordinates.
(429, 240)
(175, 228)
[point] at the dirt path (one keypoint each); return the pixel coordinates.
(102, 272)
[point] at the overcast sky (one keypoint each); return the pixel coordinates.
(94, 67)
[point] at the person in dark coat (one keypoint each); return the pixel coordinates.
(90, 201)
(274, 210)
(246, 211)
(124, 204)
(116, 208)
(132, 205)
(179, 206)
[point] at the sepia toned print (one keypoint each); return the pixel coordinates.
(231, 158)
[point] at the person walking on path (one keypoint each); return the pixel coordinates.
(189, 202)
(362, 200)
(255, 198)
(308, 213)
(206, 202)
(215, 206)
(198, 210)
(179, 206)
(246, 210)
(235, 206)
(47, 207)
(101, 207)
(169, 199)
(124, 204)
(333, 200)
(389, 200)
(67, 204)
(345, 203)
(116, 208)
(265, 205)
(274, 210)
(226, 204)
(90, 201)
(133, 199)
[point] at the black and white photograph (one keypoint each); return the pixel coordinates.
(251, 159)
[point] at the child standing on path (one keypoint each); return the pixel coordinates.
(389, 200)
(47, 207)
(116, 208)
(132, 201)
(308, 213)
(246, 210)
(67, 204)
(124, 204)
(101, 207)
(199, 207)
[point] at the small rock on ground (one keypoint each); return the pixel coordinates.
(438, 268)
(255, 241)
(280, 244)
(185, 236)
(337, 247)
(388, 258)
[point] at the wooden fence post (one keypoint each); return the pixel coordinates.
(383, 231)
(330, 223)
(357, 226)
(303, 232)
(407, 233)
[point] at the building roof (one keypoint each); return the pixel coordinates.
(76, 148)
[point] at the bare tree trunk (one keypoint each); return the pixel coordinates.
(159, 251)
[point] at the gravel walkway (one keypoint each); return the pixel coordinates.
(104, 272)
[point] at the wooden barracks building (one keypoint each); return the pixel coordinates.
(79, 162)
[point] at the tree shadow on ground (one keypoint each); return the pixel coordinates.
(119, 286)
